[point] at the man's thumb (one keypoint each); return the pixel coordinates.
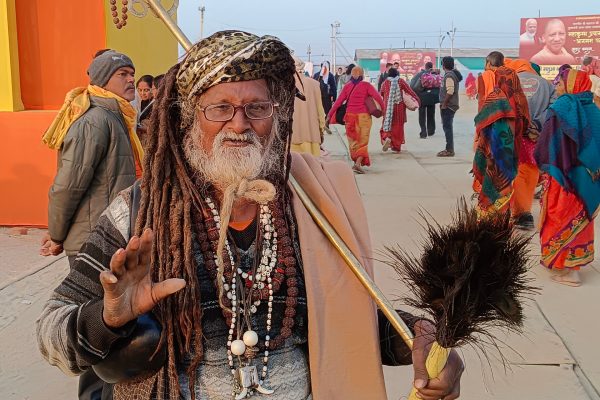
(420, 383)
(421, 376)
(166, 288)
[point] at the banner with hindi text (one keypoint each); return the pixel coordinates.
(552, 42)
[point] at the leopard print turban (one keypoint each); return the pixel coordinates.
(233, 56)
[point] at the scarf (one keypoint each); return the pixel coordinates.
(569, 145)
(496, 156)
(77, 102)
(519, 65)
(576, 81)
(234, 56)
(394, 98)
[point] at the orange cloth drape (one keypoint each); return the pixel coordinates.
(358, 130)
(524, 189)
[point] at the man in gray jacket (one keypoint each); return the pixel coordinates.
(95, 162)
(96, 159)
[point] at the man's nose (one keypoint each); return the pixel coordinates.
(239, 123)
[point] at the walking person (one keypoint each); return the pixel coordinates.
(500, 147)
(357, 119)
(327, 84)
(539, 94)
(568, 152)
(471, 86)
(383, 76)
(449, 103)
(426, 84)
(394, 112)
(98, 151)
(345, 78)
(309, 118)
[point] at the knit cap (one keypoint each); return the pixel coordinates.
(105, 65)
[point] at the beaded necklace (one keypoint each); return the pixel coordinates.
(246, 291)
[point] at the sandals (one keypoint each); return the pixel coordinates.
(446, 153)
(358, 169)
(567, 276)
(386, 144)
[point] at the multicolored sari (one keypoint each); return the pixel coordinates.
(496, 159)
(500, 124)
(569, 152)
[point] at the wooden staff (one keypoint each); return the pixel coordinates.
(382, 302)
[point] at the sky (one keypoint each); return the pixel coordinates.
(374, 24)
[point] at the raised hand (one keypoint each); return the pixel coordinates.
(128, 288)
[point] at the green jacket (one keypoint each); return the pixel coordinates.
(95, 163)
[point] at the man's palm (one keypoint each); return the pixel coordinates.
(128, 287)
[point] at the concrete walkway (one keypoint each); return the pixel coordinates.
(556, 358)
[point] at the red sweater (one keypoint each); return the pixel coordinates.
(356, 103)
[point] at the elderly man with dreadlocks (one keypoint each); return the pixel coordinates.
(223, 286)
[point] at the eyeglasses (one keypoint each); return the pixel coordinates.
(225, 112)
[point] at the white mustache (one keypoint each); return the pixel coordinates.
(249, 137)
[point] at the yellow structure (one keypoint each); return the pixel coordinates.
(10, 94)
(46, 47)
(147, 41)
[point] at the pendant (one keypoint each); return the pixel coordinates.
(247, 378)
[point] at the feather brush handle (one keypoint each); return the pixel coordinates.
(435, 363)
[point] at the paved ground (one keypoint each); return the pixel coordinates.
(556, 358)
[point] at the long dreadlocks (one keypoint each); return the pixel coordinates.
(172, 205)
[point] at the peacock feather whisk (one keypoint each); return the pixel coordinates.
(470, 277)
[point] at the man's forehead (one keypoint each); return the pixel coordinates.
(554, 25)
(252, 89)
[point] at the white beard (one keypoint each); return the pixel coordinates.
(225, 165)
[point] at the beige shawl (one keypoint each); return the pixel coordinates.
(345, 360)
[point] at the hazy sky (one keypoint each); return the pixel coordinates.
(374, 23)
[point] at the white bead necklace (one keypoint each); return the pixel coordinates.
(246, 375)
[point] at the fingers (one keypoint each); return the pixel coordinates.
(45, 249)
(145, 251)
(455, 394)
(55, 249)
(421, 345)
(166, 288)
(131, 253)
(45, 239)
(108, 279)
(117, 263)
(447, 384)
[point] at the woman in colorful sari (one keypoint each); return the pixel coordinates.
(357, 119)
(500, 124)
(471, 86)
(569, 152)
(394, 113)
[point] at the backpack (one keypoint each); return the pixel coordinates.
(431, 81)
